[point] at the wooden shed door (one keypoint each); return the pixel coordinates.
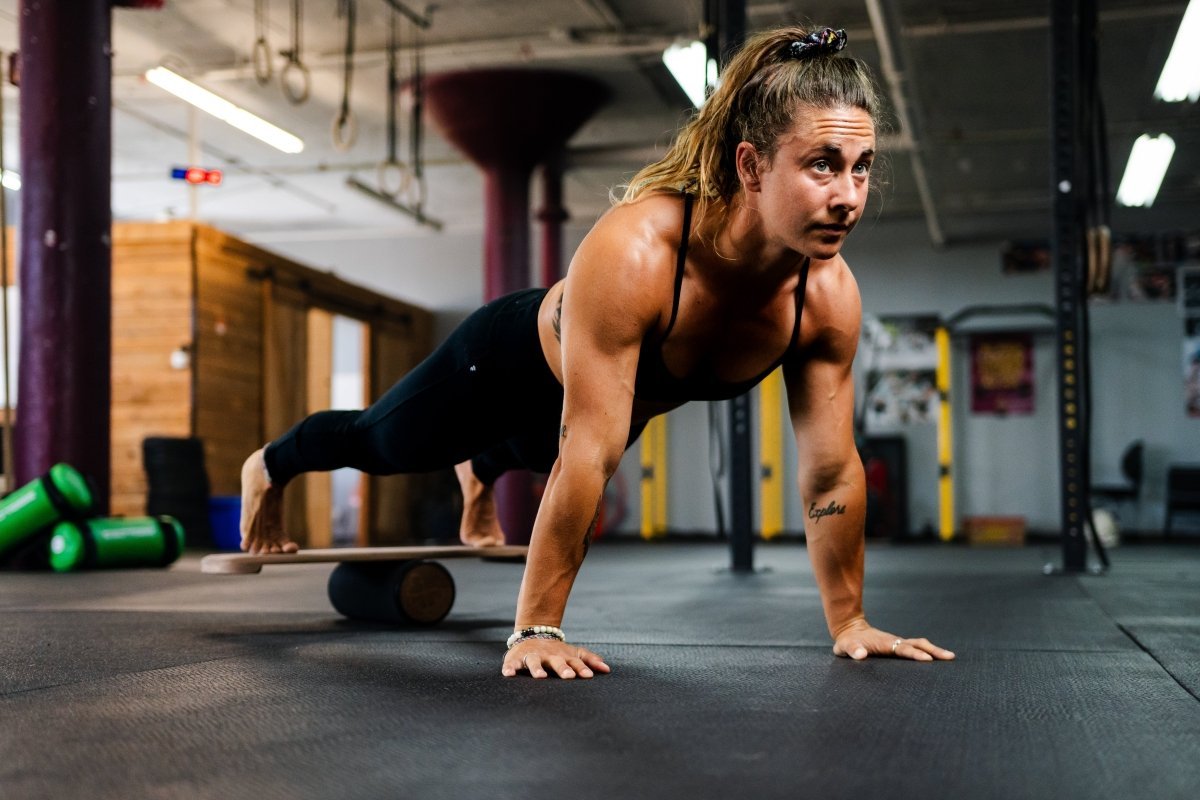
(393, 353)
(285, 381)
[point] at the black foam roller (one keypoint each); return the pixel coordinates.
(403, 592)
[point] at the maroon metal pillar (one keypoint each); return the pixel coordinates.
(64, 377)
(506, 240)
(552, 215)
(507, 121)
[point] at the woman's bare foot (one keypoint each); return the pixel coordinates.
(262, 511)
(480, 527)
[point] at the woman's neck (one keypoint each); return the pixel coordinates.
(741, 253)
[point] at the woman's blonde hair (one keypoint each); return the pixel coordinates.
(754, 102)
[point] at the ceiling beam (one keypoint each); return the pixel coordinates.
(885, 21)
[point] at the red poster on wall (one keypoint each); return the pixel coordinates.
(1002, 373)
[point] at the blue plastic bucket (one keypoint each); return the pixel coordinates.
(224, 515)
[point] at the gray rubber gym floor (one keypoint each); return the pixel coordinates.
(164, 684)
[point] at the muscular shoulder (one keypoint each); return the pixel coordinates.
(628, 257)
(832, 311)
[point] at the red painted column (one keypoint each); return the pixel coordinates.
(506, 270)
(64, 377)
(506, 221)
(506, 121)
(552, 215)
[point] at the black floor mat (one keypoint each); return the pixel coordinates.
(173, 684)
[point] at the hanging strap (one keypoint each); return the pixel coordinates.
(295, 62)
(345, 125)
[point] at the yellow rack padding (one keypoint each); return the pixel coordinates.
(654, 478)
(945, 444)
(770, 421)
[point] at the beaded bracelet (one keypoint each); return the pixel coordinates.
(549, 636)
(534, 630)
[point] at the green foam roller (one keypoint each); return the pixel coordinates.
(115, 542)
(61, 493)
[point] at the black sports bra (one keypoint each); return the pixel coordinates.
(655, 382)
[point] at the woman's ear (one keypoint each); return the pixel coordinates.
(749, 164)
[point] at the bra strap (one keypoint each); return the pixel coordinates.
(800, 291)
(681, 259)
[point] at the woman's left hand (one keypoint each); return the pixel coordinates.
(861, 640)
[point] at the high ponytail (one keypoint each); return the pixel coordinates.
(755, 101)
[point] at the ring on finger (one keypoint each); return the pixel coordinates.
(896, 644)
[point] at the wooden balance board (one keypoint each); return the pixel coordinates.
(247, 564)
(404, 585)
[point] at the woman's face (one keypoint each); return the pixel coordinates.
(812, 193)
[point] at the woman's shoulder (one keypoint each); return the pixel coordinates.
(656, 215)
(625, 266)
(832, 304)
(833, 282)
(643, 233)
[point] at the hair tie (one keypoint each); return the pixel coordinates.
(826, 41)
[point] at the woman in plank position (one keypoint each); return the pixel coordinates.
(720, 263)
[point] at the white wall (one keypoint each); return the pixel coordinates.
(1010, 465)
(1004, 466)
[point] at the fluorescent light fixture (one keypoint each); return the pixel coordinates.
(1180, 79)
(692, 69)
(1144, 172)
(11, 180)
(224, 110)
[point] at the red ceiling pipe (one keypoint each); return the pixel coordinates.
(64, 373)
(507, 121)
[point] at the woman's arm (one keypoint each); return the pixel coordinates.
(611, 299)
(832, 487)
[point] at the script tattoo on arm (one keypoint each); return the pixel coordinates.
(557, 320)
(817, 514)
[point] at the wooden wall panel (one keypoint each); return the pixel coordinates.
(285, 358)
(13, 263)
(179, 284)
(394, 350)
(318, 486)
(228, 409)
(152, 316)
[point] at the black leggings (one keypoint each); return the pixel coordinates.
(485, 394)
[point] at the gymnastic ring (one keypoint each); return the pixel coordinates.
(344, 130)
(412, 193)
(403, 177)
(260, 56)
(306, 82)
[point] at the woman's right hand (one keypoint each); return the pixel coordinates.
(565, 660)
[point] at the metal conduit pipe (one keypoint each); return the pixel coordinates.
(885, 22)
